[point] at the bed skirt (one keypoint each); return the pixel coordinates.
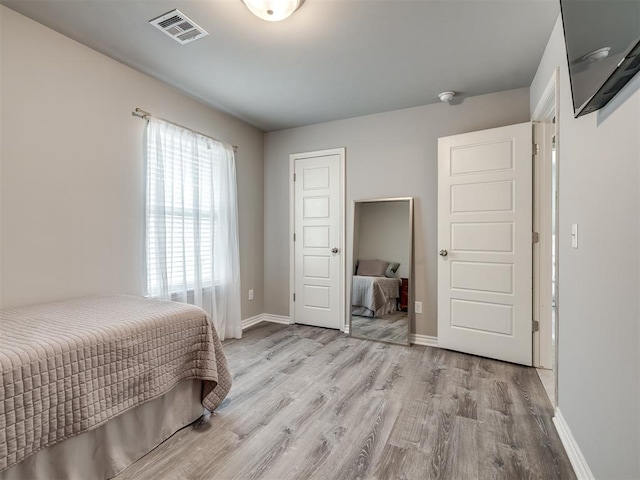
(107, 450)
(389, 307)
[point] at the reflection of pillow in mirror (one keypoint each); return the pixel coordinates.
(372, 268)
(392, 269)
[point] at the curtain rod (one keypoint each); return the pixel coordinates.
(138, 112)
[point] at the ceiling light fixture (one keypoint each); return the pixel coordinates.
(596, 55)
(446, 96)
(273, 10)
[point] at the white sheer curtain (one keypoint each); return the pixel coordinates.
(192, 248)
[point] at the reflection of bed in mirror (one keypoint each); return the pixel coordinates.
(382, 269)
(374, 297)
(375, 308)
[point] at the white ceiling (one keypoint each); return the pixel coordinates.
(332, 59)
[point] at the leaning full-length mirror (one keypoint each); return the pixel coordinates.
(382, 280)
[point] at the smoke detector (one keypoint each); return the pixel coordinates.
(179, 27)
(446, 96)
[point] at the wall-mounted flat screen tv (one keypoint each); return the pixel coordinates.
(603, 49)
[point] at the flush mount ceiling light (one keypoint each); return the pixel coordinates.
(273, 10)
(596, 55)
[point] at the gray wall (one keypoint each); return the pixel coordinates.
(391, 154)
(599, 338)
(72, 175)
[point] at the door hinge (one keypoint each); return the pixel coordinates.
(535, 237)
(535, 325)
(294, 177)
(294, 237)
(294, 297)
(536, 149)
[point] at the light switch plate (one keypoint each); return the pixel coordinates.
(418, 308)
(251, 294)
(574, 235)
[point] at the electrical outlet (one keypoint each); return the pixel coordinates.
(251, 294)
(418, 308)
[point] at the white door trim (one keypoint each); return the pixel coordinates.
(548, 108)
(543, 133)
(341, 152)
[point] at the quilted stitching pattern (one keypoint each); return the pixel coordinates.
(69, 367)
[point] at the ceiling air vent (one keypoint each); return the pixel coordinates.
(178, 26)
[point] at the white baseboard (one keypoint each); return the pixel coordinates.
(426, 340)
(578, 462)
(251, 321)
(269, 317)
(264, 317)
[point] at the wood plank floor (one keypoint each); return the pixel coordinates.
(311, 403)
(392, 327)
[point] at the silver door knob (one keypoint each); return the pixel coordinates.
(334, 250)
(443, 253)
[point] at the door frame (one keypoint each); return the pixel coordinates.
(543, 132)
(341, 152)
(547, 109)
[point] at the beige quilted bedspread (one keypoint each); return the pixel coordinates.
(69, 367)
(373, 292)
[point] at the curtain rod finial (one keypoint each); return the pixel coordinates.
(138, 112)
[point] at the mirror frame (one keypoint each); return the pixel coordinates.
(410, 306)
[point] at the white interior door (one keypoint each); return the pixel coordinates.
(485, 237)
(318, 240)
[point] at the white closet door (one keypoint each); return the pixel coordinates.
(318, 241)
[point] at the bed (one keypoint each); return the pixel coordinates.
(91, 385)
(374, 296)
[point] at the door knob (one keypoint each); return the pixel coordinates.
(334, 250)
(443, 253)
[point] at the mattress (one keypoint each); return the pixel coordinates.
(69, 367)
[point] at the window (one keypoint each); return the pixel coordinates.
(184, 172)
(191, 223)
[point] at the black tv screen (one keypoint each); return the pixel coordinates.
(603, 49)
